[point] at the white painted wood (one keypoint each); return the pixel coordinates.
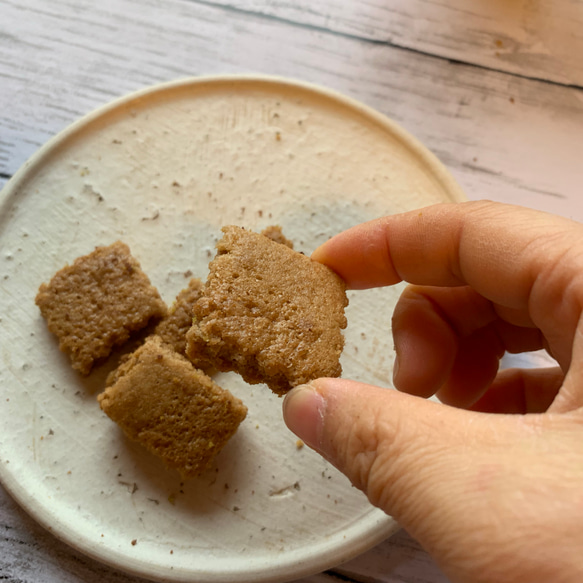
(503, 137)
(542, 39)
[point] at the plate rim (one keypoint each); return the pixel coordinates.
(414, 144)
(293, 568)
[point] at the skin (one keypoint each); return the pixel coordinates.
(490, 480)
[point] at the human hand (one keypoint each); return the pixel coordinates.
(491, 481)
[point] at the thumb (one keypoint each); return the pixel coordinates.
(469, 486)
(389, 444)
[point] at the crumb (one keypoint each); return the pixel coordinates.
(134, 542)
(299, 444)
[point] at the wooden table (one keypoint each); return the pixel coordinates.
(494, 88)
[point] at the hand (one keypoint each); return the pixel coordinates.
(491, 481)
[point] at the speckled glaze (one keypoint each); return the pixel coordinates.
(163, 170)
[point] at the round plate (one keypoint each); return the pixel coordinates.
(163, 170)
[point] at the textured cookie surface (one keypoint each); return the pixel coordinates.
(97, 302)
(269, 313)
(173, 328)
(174, 410)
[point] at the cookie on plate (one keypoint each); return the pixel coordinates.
(96, 303)
(173, 328)
(174, 410)
(275, 233)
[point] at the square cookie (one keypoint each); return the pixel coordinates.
(97, 302)
(174, 410)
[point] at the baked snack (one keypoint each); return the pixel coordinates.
(269, 313)
(174, 410)
(173, 328)
(275, 233)
(97, 302)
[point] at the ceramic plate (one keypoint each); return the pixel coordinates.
(163, 170)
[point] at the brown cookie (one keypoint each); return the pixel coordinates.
(276, 234)
(97, 302)
(174, 410)
(173, 328)
(269, 313)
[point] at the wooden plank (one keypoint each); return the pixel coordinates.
(400, 559)
(503, 137)
(542, 40)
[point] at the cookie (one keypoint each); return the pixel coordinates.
(269, 313)
(172, 409)
(97, 302)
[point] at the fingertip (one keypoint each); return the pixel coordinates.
(360, 256)
(303, 413)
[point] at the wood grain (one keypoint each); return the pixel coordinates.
(504, 137)
(542, 40)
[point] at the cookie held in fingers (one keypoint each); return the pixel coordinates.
(269, 313)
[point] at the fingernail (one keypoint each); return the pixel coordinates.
(303, 413)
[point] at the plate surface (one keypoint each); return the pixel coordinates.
(163, 170)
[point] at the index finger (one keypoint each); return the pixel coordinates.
(497, 249)
(515, 257)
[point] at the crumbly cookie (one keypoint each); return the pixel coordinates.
(174, 410)
(173, 328)
(269, 313)
(95, 304)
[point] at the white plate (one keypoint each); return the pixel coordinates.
(163, 170)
